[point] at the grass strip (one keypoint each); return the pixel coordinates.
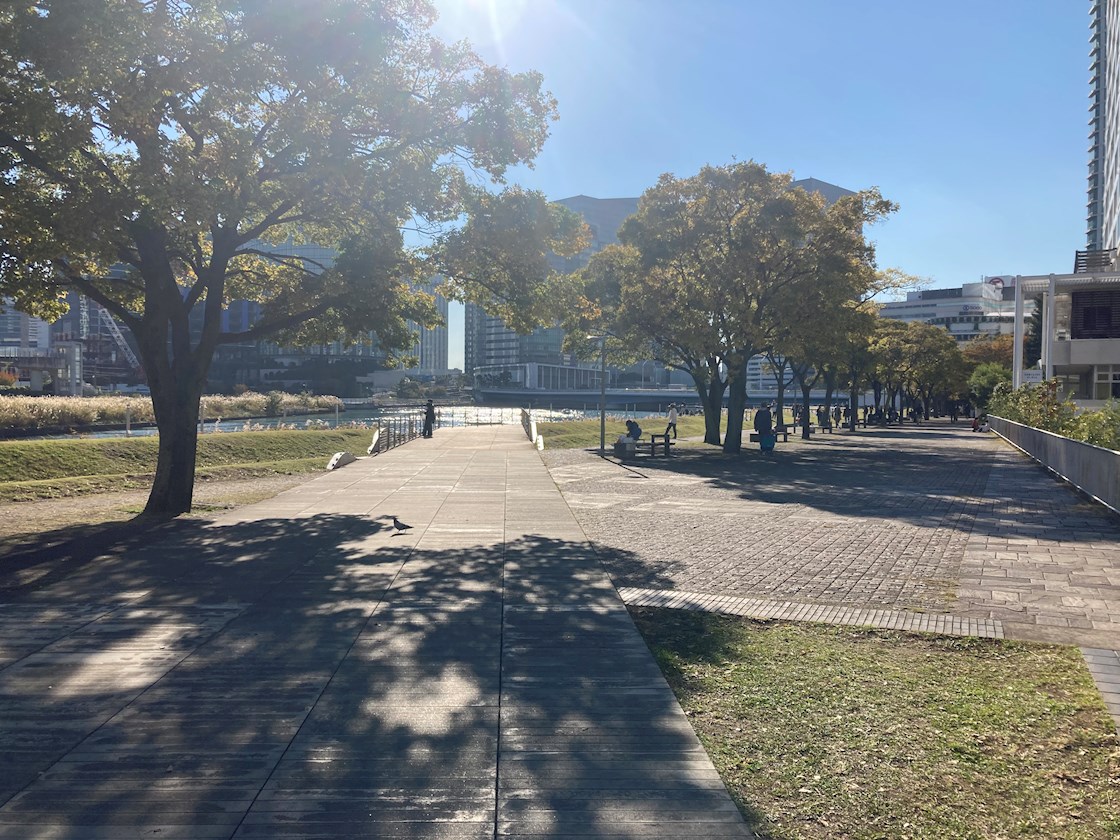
(584, 434)
(60, 469)
(824, 732)
(41, 460)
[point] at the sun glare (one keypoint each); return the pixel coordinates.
(488, 22)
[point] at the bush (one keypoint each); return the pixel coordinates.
(1101, 428)
(1039, 406)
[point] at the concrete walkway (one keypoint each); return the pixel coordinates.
(297, 669)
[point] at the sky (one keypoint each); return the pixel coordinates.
(971, 116)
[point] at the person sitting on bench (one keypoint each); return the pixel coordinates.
(633, 430)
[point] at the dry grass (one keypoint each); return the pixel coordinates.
(65, 412)
(823, 732)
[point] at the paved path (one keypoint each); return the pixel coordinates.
(298, 670)
(932, 520)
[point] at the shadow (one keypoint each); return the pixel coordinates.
(882, 517)
(39, 559)
(316, 678)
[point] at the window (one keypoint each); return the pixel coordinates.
(1095, 314)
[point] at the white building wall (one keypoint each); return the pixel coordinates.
(1103, 228)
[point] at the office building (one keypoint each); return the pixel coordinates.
(973, 310)
(1103, 222)
(1081, 310)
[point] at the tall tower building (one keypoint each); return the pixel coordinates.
(1103, 222)
(489, 342)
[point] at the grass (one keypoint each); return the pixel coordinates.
(824, 732)
(584, 434)
(45, 469)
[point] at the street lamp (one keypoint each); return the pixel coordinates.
(602, 339)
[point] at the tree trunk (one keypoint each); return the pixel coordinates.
(736, 407)
(806, 417)
(853, 407)
(177, 421)
(711, 397)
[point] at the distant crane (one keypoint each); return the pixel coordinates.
(108, 323)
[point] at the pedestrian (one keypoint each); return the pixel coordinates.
(429, 419)
(764, 425)
(672, 420)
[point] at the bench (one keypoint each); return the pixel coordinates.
(782, 433)
(629, 447)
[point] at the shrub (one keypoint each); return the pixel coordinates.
(1039, 406)
(1101, 428)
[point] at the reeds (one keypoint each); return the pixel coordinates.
(70, 412)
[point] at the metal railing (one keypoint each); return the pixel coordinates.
(396, 431)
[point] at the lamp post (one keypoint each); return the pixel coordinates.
(602, 339)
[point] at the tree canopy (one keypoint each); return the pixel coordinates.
(185, 142)
(722, 265)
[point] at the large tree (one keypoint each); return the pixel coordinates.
(184, 141)
(712, 256)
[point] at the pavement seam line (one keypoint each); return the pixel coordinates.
(762, 609)
(501, 659)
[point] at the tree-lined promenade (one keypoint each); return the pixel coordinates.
(178, 166)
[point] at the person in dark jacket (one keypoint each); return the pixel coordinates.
(429, 419)
(633, 430)
(764, 425)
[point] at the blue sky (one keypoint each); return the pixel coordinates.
(972, 116)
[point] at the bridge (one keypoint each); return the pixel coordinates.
(63, 363)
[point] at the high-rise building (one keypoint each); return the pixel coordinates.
(1103, 223)
(430, 348)
(22, 331)
(499, 351)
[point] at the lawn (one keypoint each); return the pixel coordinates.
(823, 732)
(43, 469)
(584, 434)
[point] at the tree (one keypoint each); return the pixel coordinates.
(711, 256)
(888, 354)
(998, 348)
(983, 381)
(1032, 342)
(184, 141)
(933, 363)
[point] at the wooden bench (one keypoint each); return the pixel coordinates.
(660, 440)
(782, 433)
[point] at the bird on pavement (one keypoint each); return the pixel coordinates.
(400, 526)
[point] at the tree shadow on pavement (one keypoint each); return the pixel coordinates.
(318, 678)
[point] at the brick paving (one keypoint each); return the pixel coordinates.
(933, 520)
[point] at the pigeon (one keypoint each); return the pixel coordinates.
(400, 526)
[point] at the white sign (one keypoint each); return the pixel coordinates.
(1032, 377)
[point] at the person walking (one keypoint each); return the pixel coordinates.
(672, 420)
(429, 419)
